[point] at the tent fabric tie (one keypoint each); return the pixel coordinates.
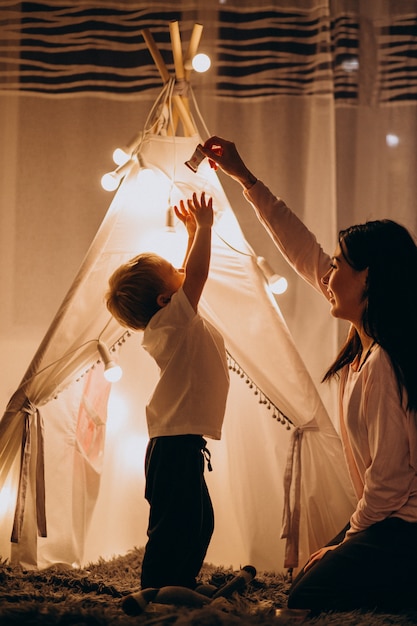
(31, 414)
(292, 482)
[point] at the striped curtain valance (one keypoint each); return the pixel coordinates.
(287, 52)
(398, 60)
(53, 49)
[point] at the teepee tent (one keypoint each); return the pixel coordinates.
(72, 445)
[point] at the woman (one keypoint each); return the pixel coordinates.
(369, 281)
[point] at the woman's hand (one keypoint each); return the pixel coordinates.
(224, 154)
(317, 556)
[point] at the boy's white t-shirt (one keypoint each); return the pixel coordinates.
(190, 396)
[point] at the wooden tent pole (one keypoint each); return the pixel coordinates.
(176, 50)
(156, 55)
(192, 49)
(178, 65)
(189, 128)
(182, 103)
(190, 54)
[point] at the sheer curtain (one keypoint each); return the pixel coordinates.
(320, 98)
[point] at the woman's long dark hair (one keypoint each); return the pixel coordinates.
(390, 315)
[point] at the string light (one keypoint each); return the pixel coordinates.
(392, 140)
(278, 284)
(112, 371)
(111, 180)
(201, 62)
(122, 155)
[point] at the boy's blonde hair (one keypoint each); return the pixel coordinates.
(133, 291)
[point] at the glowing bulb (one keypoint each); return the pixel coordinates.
(350, 64)
(110, 181)
(392, 140)
(120, 157)
(278, 284)
(148, 178)
(112, 371)
(201, 62)
(169, 243)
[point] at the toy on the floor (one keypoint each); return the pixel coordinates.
(136, 603)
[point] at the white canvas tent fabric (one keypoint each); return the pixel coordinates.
(59, 411)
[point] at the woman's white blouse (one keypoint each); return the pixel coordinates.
(379, 435)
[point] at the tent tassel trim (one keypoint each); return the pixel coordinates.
(277, 414)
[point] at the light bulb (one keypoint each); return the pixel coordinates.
(277, 284)
(110, 181)
(392, 140)
(120, 157)
(350, 64)
(201, 62)
(112, 371)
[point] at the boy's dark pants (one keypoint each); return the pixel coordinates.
(181, 519)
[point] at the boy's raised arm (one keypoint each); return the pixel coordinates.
(198, 258)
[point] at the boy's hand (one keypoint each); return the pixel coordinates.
(197, 259)
(201, 210)
(187, 218)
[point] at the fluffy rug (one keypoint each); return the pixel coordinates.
(93, 597)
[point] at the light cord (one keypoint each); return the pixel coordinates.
(70, 352)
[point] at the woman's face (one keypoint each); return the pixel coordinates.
(345, 289)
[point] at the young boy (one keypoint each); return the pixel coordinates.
(189, 401)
